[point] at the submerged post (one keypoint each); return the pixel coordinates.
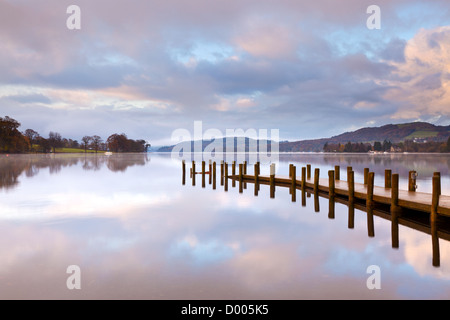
(221, 172)
(337, 172)
(308, 171)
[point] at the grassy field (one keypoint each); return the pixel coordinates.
(73, 150)
(422, 134)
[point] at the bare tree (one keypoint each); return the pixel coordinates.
(96, 141)
(55, 140)
(86, 140)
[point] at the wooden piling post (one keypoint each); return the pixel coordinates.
(183, 165)
(233, 173)
(256, 179)
(193, 173)
(387, 178)
(370, 185)
(366, 175)
(308, 171)
(203, 174)
(241, 178)
(226, 176)
(316, 180)
(438, 174)
(210, 171)
(337, 172)
(245, 172)
(293, 183)
(290, 175)
(434, 218)
(221, 172)
(394, 194)
(272, 180)
(214, 175)
(331, 183)
(303, 179)
(348, 171)
(412, 181)
(351, 187)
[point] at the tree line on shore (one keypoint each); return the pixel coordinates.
(388, 146)
(14, 141)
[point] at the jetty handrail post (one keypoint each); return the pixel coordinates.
(316, 180)
(256, 178)
(366, 175)
(193, 172)
(214, 175)
(331, 177)
(308, 171)
(351, 187)
(434, 218)
(412, 181)
(272, 180)
(293, 183)
(388, 178)
(241, 178)
(337, 172)
(203, 174)
(183, 165)
(226, 176)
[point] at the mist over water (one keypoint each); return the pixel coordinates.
(136, 232)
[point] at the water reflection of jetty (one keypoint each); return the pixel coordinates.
(425, 212)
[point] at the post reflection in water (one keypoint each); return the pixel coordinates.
(395, 214)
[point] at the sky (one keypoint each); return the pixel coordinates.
(310, 69)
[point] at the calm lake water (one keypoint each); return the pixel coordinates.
(136, 232)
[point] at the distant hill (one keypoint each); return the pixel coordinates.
(418, 131)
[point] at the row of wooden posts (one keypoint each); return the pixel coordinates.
(391, 182)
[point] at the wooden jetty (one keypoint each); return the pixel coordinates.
(388, 201)
(387, 195)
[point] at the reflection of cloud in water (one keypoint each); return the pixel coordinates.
(203, 253)
(419, 255)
